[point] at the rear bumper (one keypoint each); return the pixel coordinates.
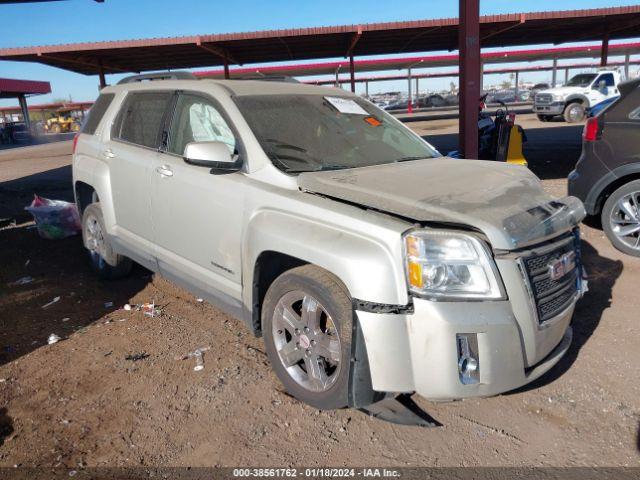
(418, 352)
(555, 108)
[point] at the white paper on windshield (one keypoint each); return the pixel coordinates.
(346, 105)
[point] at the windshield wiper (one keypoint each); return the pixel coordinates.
(281, 144)
(408, 159)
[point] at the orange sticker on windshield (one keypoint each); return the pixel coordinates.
(374, 122)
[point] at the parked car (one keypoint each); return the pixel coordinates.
(607, 175)
(15, 132)
(368, 262)
(431, 101)
(574, 99)
(399, 105)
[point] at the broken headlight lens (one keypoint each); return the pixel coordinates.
(449, 265)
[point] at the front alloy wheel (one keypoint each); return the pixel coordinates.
(307, 317)
(307, 341)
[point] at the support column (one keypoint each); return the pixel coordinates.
(352, 74)
(102, 80)
(470, 76)
(566, 76)
(627, 59)
(25, 110)
(410, 96)
(337, 79)
(517, 87)
(366, 88)
(417, 87)
(226, 69)
(481, 77)
(554, 73)
(604, 53)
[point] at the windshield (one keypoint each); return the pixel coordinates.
(302, 133)
(582, 80)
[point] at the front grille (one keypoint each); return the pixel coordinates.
(551, 296)
(543, 98)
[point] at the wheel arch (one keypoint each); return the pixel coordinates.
(609, 184)
(577, 99)
(367, 267)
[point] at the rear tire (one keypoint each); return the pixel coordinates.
(621, 218)
(307, 317)
(107, 264)
(574, 112)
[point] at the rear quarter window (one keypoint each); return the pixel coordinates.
(141, 117)
(96, 113)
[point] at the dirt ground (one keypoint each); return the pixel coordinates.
(87, 401)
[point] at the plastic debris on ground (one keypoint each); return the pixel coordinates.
(199, 300)
(135, 357)
(21, 281)
(55, 300)
(197, 354)
(53, 338)
(149, 309)
(55, 219)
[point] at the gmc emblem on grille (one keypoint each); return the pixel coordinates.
(563, 265)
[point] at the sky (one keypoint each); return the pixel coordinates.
(70, 21)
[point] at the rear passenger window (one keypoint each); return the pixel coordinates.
(141, 117)
(96, 113)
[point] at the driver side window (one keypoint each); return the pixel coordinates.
(196, 119)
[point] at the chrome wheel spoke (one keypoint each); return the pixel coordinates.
(290, 319)
(291, 354)
(328, 348)
(628, 230)
(625, 206)
(311, 313)
(316, 372)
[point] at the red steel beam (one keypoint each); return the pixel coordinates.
(469, 67)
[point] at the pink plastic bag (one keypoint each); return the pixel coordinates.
(55, 219)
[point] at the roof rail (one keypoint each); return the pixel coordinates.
(268, 78)
(148, 77)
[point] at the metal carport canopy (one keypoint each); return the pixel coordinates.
(12, 88)
(331, 42)
(382, 64)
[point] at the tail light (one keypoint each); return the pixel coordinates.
(591, 130)
(75, 143)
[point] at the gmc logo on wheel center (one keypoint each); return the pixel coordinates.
(563, 265)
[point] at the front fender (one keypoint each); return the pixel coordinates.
(370, 265)
(579, 97)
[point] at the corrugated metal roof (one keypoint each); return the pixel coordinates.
(11, 87)
(331, 42)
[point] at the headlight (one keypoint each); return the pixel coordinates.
(557, 97)
(449, 265)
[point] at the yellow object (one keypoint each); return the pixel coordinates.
(63, 123)
(514, 152)
(415, 274)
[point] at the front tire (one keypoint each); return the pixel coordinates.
(307, 317)
(621, 218)
(107, 264)
(574, 112)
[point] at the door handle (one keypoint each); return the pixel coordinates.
(108, 153)
(165, 171)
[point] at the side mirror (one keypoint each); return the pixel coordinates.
(213, 155)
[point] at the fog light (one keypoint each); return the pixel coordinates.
(468, 359)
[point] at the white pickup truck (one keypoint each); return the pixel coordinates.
(573, 99)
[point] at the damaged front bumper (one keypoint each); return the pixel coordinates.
(420, 351)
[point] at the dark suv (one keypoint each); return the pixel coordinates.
(607, 175)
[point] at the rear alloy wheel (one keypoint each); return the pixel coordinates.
(574, 112)
(307, 318)
(104, 261)
(621, 218)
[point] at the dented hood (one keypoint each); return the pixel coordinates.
(505, 202)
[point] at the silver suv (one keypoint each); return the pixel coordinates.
(370, 264)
